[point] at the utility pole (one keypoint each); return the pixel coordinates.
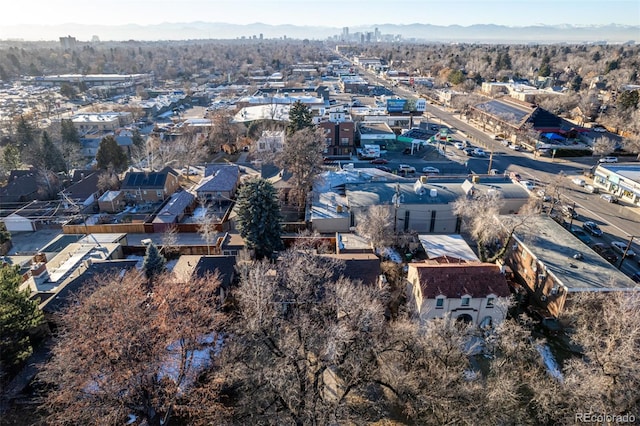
(626, 250)
(573, 213)
(490, 162)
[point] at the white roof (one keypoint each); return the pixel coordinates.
(447, 245)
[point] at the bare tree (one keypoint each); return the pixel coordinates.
(480, 216)
(606, 326)
(603, 146)
(124, 353)
(304, 343)
(207, 228)
(302, 156)
(377, 225)
(170, 240)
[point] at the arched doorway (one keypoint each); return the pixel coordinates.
(465, 318)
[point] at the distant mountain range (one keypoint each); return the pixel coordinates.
(420, 32)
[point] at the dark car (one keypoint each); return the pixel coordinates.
(384, 169)
(636, 277)
(379, 161)
(406, 151)
(592, 228)
(605, 252)
(582, 236)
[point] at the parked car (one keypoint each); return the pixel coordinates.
(599, 128)
(478, 152)
(528, 185)
(592, 189)
(609, 198)
(430, 170)
(406, 151)
(636, 277)
(608, 160)
(605, 252)
(384, 169)
(514, 147)
(469, 152)
(592, 228)
(379, 161)
(515, 176)
(542, 194)
(406, 168)
(620, 247)
(582, 236)
(459, 145)
(568, 211)
(578, 181)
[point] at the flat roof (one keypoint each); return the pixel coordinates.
(447, 245)
(555, 247)
(629, 171)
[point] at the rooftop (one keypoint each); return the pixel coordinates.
(555, 247)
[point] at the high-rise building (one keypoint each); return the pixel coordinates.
(68, 42)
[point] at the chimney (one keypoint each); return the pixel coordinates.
(39, 272)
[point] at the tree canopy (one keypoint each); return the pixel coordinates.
(299, 117)
(125, 352)
(19, 317)
(110, 155)
(259, 217)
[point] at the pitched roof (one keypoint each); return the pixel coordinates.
(364, 267)
(88, 277)
(456, 280)
(21, 186)
(84, 187)
(134, 180)
(219, 178)
(176, 205)
(199, 266)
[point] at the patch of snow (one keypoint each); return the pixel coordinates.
(549, 361)
(131, 419)
(390, 253)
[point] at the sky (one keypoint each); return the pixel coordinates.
(330, 13)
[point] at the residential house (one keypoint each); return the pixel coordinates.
(219, 183)
(552, 264)
(190, 266)
(174, 210)
(21, 186)
(112, 202)
(84, 187)
(150, 186)
(472, 292)
(271, 141)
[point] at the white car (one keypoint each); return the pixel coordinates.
(599, 129)
(459, 145)
(406, 168)
(579, 182)
(528, 185)
(620, 247)
(608, 160)
(430, 170)
(479, 152)
(514, 147)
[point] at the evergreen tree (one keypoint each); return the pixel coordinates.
(111, 155)
(259, 217)
(25, 135)
(299, 117)
(137, 139)
(69, 133)
(11, 157)
(50, 156)
(19, 317)
(154, 262)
